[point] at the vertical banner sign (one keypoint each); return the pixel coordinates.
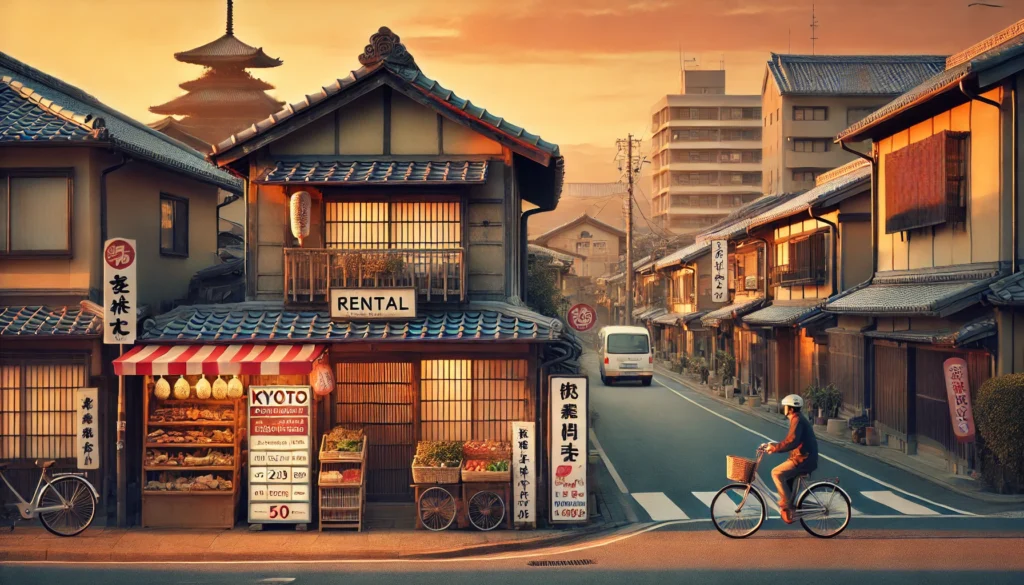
(568, 448)
(119, 291)
(87, 428)
(958, 393)
(524, 473)
(719, 271)
(279, 454)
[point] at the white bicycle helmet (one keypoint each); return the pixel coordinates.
(793, 400)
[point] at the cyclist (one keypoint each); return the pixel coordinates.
(802, 447)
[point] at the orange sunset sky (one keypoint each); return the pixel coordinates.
(578, 72)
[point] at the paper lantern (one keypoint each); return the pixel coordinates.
(321, 379)
(220, 389)
(299, 207)
(235, 389)
(203, 389)
(181, 388)
(163, 389)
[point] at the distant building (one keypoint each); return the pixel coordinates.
(706, 153)
(225, 99)
(597, 244)
(807, 99)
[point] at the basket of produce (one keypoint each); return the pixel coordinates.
(487, 450)
(342, 444)
(479, 470)
(348, 477)
(437, 462)
(738, 468)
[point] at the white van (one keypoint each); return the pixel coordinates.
(626, 354)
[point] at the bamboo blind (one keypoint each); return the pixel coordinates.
(462, 400)
(408, 225)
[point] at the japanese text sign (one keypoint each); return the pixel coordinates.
(524, 473)
(279, 454)
(568, 482)
(719, 271)
(958, 393)
(582, 317)
(87, 427)
(119, 291)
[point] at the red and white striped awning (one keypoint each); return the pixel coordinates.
(247, 358)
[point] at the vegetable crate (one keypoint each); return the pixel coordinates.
(474, 475)
(329, 455)
(421, 474)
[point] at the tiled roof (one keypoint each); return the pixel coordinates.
(969, 333)
(615, 277)
(640, 311)
(917, 298)
(1008, 291)
(691, 317)
(670, 318)
(202, 101)
(851, 75)
(553, 254)
(44, 321)
(736, 223)
(857, 172)
(268, 321)
(228, 50)
(687, 254)
(652, 313)
(998, 49)
(27, 117)
(576, 221)
(733, 311)
(375, 172)
(782, 315)
(125, 133)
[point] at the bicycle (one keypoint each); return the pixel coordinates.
(64, 503)
(738, 509)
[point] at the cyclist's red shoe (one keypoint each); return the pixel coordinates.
(787, 514)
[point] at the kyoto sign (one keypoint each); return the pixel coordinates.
(279, 454)
(524, 473)
(582, 317)
(119, 291)
(373, 303)
(87, 428)
(719, 271)
(958, 393)
(568, 428)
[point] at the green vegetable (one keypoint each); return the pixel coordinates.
(348, 445)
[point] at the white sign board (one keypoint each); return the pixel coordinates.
(719, 271)
(568, 448)
(87, 428)
(279, 454)
(119, 291)
(524, 473)
(373, 303)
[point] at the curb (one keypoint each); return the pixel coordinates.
(980, 496)
(572, 536)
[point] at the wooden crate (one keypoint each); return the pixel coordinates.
(327, 455)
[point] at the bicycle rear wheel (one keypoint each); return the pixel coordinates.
(78, 506)
(729, 518)
(824, 510)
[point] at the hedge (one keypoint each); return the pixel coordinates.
(999, 414)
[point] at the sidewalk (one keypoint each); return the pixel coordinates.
(959, 484)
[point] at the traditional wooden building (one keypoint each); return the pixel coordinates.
(688, 279)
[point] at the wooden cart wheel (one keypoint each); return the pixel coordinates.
(486, 510)
(436, 509)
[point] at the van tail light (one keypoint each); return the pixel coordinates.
(606, 361)
(650, 359)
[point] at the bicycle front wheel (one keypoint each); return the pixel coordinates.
(732, 519)
(77, 503)
(824, 510)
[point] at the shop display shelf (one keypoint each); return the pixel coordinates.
(189, 467)
(193, 423)
(230, 492)
(189, 445)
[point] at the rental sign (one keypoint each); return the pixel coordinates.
(373, 303)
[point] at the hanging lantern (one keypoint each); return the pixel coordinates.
(321, 379)
(163, 388)
(299, 208)
(203, 389)
(220, 389)
(235, 389)
(181, 389)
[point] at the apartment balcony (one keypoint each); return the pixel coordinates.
(727, 189)
(797, 275)
(710, 144)
(734, 167)
(311, 273)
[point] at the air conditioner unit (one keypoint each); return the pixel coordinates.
(750, 283)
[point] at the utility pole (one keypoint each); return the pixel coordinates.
(626, 147)
(814, 26)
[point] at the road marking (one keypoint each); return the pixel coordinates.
(277, 580)
(891, 500)
(608, 463)
(659, 507)
(705, 497)
(823, 456)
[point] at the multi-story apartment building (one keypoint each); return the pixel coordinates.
(807, 99)
(706, 153)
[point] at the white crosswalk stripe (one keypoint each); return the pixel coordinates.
(659, 506)
(901, 505)
(707, 497)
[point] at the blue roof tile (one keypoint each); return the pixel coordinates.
(45, 321)
(376, 172)
(851, 75)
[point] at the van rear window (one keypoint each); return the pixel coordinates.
(628, 343)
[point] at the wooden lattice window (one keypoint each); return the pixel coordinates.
(462, 400)
(925, 183)
(37, 408)
(403, 225)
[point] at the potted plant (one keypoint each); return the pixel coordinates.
(726, 371)
(812, 398)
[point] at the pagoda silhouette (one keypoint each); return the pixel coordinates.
(225, 99)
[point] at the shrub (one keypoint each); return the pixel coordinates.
(829, 399)
(696, 364)
(726, 366)
(999, 414)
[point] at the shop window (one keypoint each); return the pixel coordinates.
(463, 400)
(173, 225)
(37, 410)
(406, 225)
(35, 211)
(926, 183)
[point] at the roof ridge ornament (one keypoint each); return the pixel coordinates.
(385, 46)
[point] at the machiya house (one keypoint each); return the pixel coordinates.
(407, 279)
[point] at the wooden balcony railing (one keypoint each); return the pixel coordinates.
(310, 273)
(800, 274)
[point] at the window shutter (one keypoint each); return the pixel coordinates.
(925, 183)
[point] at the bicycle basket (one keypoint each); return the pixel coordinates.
(739, 468)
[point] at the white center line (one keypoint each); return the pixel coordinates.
(608, 463)
(823, 456)
(659, 507)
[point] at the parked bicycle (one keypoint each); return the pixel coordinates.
(738, 510)
(64, 503)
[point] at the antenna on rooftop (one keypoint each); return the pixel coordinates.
(814, 27)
